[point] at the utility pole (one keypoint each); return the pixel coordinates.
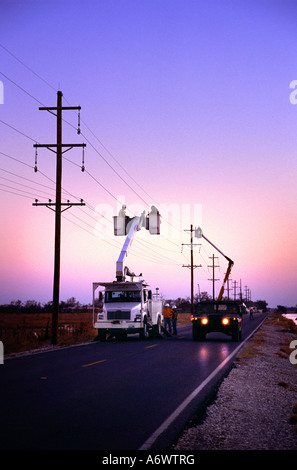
(228, 288)
(240, 291)
(191, 266)
(213, 266)
(234, 288)
(246, 293)
(58, 204)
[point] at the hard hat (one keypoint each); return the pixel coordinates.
(166, 305)
(174, 306)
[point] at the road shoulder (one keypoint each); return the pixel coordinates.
(255, 404)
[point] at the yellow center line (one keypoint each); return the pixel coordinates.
(93, 363)
(151, 346)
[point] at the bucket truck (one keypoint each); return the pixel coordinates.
(217, 315)
(199, 234)
(128, 306)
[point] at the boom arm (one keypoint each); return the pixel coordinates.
(199, 234)
(136, 224)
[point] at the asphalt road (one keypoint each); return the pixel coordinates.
(118, 395)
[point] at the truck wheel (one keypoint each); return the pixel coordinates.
(144, 334)
(197, 334)
(101, 335)
(159, 326)
(157, 329)
(236, 334)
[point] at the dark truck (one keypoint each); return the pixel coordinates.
(217, 316)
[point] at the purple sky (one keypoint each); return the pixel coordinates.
(185, 104)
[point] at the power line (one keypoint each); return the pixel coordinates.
(16, 194)
(17, 160)
(27, 67)
(134, 251)
(158, 254)
(17, 130)
(20, 184)
(96, 150)
(21, 88)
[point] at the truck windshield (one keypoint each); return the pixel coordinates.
(223, 308)
(123, 296)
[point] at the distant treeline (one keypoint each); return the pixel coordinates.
(71, 304)
(283, 309)
(17, 306)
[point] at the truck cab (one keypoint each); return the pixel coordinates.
(126, 307)
(217, 316)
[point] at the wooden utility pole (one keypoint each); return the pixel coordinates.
(228, 288)
(234, 288)
(191, 266)
(246, 293)
(58, 204)
(213, 266)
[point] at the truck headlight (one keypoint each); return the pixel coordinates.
(204, 321)
(225, 321)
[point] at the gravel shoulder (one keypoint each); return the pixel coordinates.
(256, 404)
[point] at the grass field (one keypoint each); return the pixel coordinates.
(28, 331)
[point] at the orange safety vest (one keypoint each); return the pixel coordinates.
(167, 312)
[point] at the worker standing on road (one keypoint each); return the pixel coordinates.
(251, 313)
(174, 319)
(167, 317)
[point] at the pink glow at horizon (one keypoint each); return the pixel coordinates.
(185, 106)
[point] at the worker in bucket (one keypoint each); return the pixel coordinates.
(174, 319)
(167, 317)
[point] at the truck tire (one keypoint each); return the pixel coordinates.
(157, 329)
(236, 334)
(144, 334)
(159, 326)
(101, 335)
(197, 334)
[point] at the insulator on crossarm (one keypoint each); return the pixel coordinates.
(35, 167)
(78, 124)
(83, 160)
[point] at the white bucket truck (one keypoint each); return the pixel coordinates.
(124, 306)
